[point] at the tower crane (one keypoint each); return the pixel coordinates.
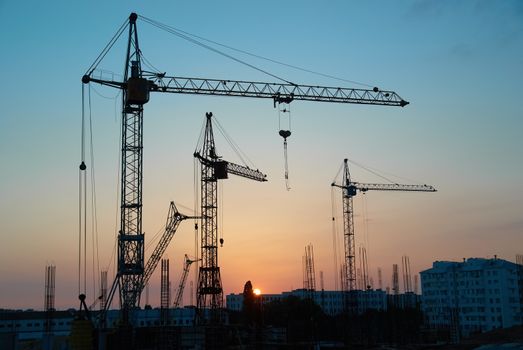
(183, 279)
(213, 168)
(136, 86)
(349, 190)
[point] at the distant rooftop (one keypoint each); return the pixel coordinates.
(469, 264)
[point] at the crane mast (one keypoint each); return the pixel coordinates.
(131, 236)
(349, 190)
(136, 87)
(349, 282)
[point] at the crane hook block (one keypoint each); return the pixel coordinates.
(83, 166)
(221, 242)
(285, 134)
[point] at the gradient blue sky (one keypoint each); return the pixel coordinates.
(460, 64)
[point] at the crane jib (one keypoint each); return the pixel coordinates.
(138, 90)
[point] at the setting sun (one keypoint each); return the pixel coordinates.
(256, 291)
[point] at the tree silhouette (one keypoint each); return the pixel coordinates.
(249, 304)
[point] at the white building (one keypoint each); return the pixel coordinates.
(331, 302)
(19, 326)
(475, 295)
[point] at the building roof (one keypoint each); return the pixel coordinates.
(470, 264)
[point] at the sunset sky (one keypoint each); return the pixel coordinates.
(459, 64)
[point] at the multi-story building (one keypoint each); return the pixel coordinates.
(20, 326)
(404, 300)
(331, 302)
(475, 295)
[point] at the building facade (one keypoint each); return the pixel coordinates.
(472, 296)
(331, 302)
(17, 327)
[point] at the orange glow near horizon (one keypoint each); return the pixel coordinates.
(256, 291)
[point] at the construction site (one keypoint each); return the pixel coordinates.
(121, 317)
(261, 175)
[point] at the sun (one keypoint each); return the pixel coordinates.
(256, 291)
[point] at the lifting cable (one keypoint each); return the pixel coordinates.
(81, 196)
(284, 117)
(234, 146)
(196, 211)
(334, 238)
(94, 212)
(220, 213)
(179, 34)
(83, 206)
(107, 48)
(377, 173)
(116, 205)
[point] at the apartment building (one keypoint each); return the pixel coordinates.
(472, 296)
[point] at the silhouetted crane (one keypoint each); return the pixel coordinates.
(213, 168)
(350, 189)
(183, 279)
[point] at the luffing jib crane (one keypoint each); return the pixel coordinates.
(213, 168)
(350, 189)
(174, 218)
(173, 221)
(181, 286)
(136, 87)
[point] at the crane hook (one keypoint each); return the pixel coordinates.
(285, 114)
(285, 134)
